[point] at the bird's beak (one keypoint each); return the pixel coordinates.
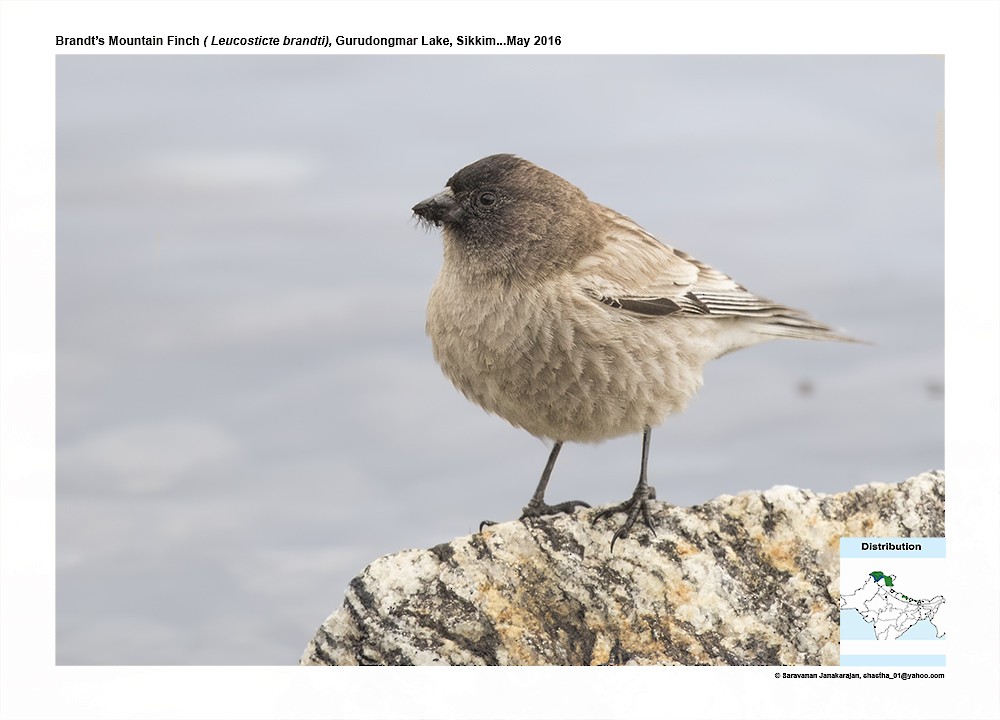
(441, 208)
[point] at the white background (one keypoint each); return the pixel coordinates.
(966, 33)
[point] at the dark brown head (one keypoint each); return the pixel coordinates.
(507, 217)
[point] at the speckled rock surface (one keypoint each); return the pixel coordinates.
(744, 580)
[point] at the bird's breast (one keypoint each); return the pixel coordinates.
(552, 360)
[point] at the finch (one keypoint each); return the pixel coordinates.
(568, 320)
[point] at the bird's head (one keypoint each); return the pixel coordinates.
(509, 215)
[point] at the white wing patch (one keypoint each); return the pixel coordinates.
(636, 273)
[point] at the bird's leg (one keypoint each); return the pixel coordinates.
(537, 507)
(638, 503)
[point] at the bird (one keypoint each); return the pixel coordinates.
(569, 320)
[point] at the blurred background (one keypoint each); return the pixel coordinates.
(248, 411)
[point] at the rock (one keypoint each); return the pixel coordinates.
(745, 580)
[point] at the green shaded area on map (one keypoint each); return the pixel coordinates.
(881, 576)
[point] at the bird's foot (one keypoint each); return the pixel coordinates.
(634, 506)
(533, 509)
(540, 509)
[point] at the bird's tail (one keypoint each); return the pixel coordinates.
(793, 324)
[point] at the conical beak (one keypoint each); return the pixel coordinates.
(441, 208)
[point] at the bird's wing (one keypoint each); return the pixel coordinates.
(636, 273)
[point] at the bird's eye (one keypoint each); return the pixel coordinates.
(487, 199)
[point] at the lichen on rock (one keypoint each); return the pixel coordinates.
(751, 579)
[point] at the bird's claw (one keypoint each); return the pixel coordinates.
(540, 509)
(634, 506)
